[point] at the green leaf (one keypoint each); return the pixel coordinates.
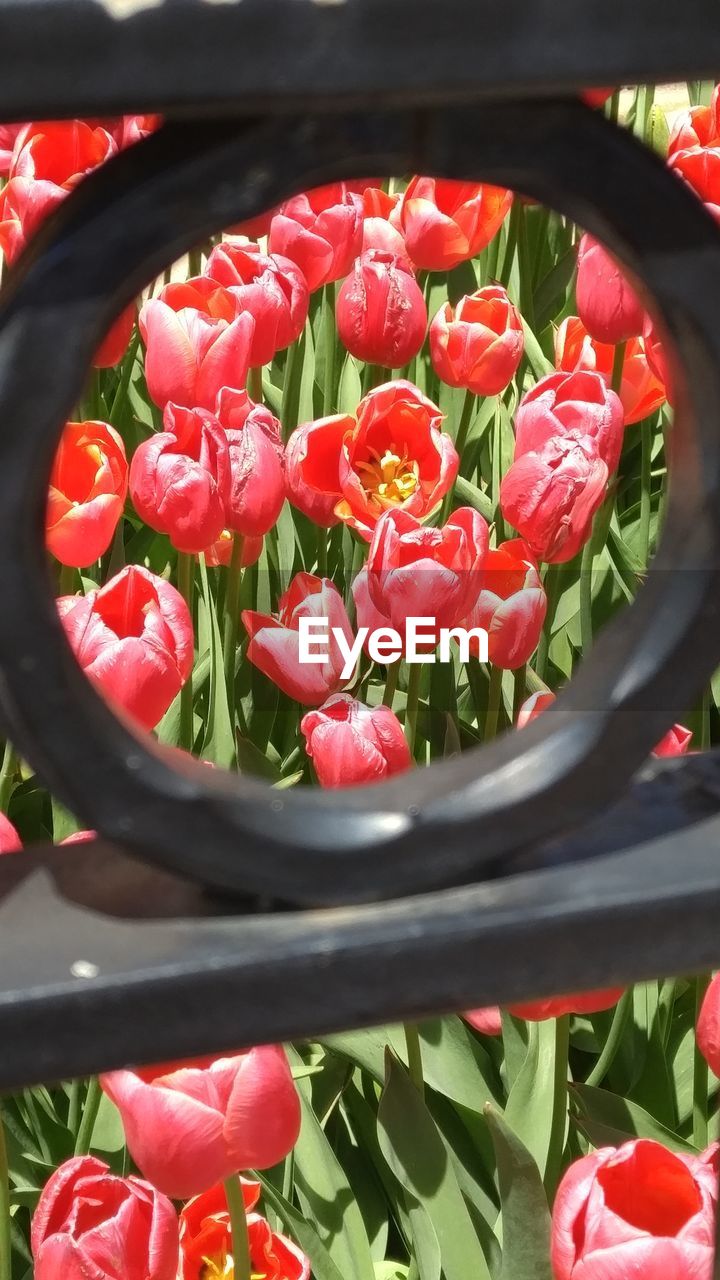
(417, 1156)
(350, 391)
(218, 743)
(525, 1213)
(323, 1267)
(325, 1195)
(610, 1120)
(529, 1111)
(469, 494)
(460, 281)
(536, 357)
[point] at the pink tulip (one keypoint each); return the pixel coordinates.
(257, 464)
(313, 467)
(350, 744)
(606, 301)
(190, 1126)
(271, 288)
(511, 605)
(551, 496)
(321, 231)
(675, 743)
(381, 313)
(275, 642)
(10, 841)
(563, 403)
(708, 1026)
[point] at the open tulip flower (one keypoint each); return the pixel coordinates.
(642, 391)
(206, 1240)
(350, 743)
(196, 343)
(271, 288)
(640, 1211)
(188, 1127)
(697, 127)
(394, 457)
(257, 463)
(134, 639)
(88, 487)
(321, 231)
(606, 301)
(381, 313)
(275, 642)
(312, 467)
(180, 478)
(91, 1224)
(511, 605)
(561, 404)
(48, 160)
(417, 571)
(444, 222)
(479, 343)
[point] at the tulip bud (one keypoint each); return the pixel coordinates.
(395, 457)
(206, 1240)
(272, 289)
(551, 495)
(708, 1026)
(607, 303)
(478, 344)
(675, 743)
(351, 744)
(381, 313)
(511, 605)
(635, 1210)
(275, 642)
(134, 639)
(196, 343)
(444, 222)
(321, 231)
(88, 487)
(180, 478)
(642, 392)
(90, 1223)
(561, 404)
(239, 1112)
(257, 464)
(415, 571)
(379, 228)
(533, 707)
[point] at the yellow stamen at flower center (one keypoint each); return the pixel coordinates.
(390, 479)
(220, 1268)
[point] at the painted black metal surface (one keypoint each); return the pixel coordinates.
(124, 225)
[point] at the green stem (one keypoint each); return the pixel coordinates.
(560, 1104)
(614, 1039)
(411, 709)
(186, 581)
(8, 775)
(330, 348)
(414, 1056)
(551, 584)
(527, 301)
(254, 384)
(618, 367)
(646, 442)
(700, 1075)
(128, 365)
(494, 699)
(391, 680)
(373, 376)
(238, 1228)
(67, 580)
(5, 1219)
(74, 1106)
(520, 691)
(322, 552)
(477, 685)
(289, 409)
(93, 1098)
(460, 442)
(586, 575)
(232, 620)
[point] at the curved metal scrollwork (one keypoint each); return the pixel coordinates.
(525, 800)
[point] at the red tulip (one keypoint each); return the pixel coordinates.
(366, 613)
(445, 222)
(478, 344)
(180, 478)
(596, 97)
(381, 313)
(220, 553)
(511, 605)
(10, 841)
(80, 837)
(534, 706)
(206, 1240)
(487, 1021)
(88, 487)
(275, 642)
(351, 744)
(638, 1210)
(395, 456)
(253, 228)
(8, 137)
(257, 463)
(116, 340)
(190, 1126)
(320, 230)
(675, 743)
(606, 301)
(379, 228)
(134, 639)
(563, 404)
(551, 495)
(312, 467)
(195, 343)
(91, 1225)
(272, 289)
(655, 353)
(641, 390)
(557, 1006)
(708, 1026)
(697, 127)
(49, 159)
(700, 167)
(414, 571)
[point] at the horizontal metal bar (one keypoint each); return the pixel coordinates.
(82, 989)
(71, 57)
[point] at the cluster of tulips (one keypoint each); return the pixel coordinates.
(369, 405)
